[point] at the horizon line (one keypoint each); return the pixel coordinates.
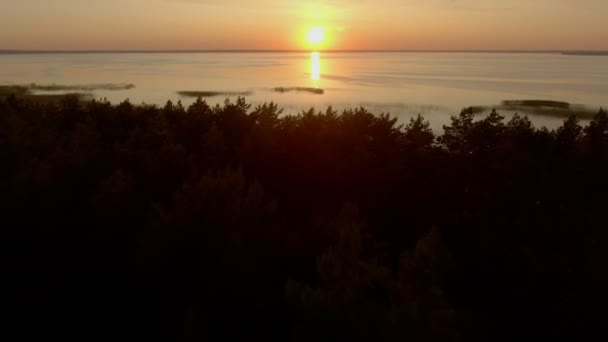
(43, 51)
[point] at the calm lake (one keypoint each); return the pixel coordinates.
(436, 85)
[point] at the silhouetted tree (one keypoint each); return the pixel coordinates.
(568, 134)
(597, 132)
(456, 136)
(418, 133)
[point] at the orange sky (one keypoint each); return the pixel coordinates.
(283, 25)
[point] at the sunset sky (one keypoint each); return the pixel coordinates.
(284, 25)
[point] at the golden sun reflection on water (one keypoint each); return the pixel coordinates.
(315, 66)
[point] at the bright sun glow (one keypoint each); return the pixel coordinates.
(315, 66)
(316, 35)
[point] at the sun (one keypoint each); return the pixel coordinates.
(316, 35)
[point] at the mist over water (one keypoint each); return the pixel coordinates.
(436, 85)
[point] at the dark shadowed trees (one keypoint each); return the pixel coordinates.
(190, 223)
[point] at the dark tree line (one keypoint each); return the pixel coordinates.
(230, 221)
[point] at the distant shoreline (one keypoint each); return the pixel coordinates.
(563, 52)
(585, 53)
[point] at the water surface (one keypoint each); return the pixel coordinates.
(436, 85)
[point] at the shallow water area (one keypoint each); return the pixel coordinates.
(404, 84)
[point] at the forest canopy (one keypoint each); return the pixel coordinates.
(224, 221)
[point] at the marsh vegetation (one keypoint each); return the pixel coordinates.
(197, 94)
(317, 91)
(556, 109)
